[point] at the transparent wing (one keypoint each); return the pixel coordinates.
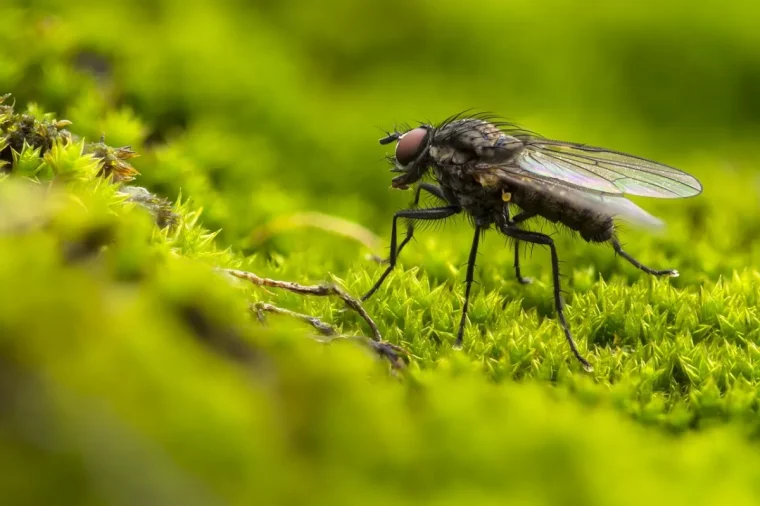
(603, 170)
(612, 205)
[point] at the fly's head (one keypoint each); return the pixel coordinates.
(412, 156)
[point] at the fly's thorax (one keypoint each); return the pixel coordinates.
(469, 140)
(472, 129)
(446, 154)
(485, 205)
(474, 132)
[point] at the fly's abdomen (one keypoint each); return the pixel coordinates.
(559, 207)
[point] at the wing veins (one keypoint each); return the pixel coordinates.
(649, 182)
(603, 163)
(665, 169)
(591, 175)
(580, 166)
(626, 176)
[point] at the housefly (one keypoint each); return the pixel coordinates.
(484, 166)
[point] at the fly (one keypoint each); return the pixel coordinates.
(482, 166)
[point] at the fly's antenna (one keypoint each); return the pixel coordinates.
(390, 137)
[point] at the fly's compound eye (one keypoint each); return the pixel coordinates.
(410, 145)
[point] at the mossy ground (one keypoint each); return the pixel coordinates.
(132, 369)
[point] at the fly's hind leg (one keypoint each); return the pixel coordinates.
(533, 237)
(619, 250)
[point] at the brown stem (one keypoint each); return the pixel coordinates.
(390, 351)
(323, 289)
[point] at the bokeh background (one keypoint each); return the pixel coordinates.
(266, 114)
(279, 105)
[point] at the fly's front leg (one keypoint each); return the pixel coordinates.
(432, 189)
(536, 238)
(435, 213)
(619, 249)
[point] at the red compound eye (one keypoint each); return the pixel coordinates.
(410, 145)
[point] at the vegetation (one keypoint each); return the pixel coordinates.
(150, 150)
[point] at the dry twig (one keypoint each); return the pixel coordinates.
(390, 351)
(323, 290)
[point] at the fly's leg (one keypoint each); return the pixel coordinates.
(435, 213)
(537, 238)
(665, 272)
(520, 278)
(468, 283)
(517, 219)
(432, 189)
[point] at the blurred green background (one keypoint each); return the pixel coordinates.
(263, 111)
(280, 104)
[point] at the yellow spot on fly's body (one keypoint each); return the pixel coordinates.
(506, 196)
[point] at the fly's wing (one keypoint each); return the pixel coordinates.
(602, 170)
(605, 204)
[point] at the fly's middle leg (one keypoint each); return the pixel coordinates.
(518, 219)
(468, 284)
(520, 278)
